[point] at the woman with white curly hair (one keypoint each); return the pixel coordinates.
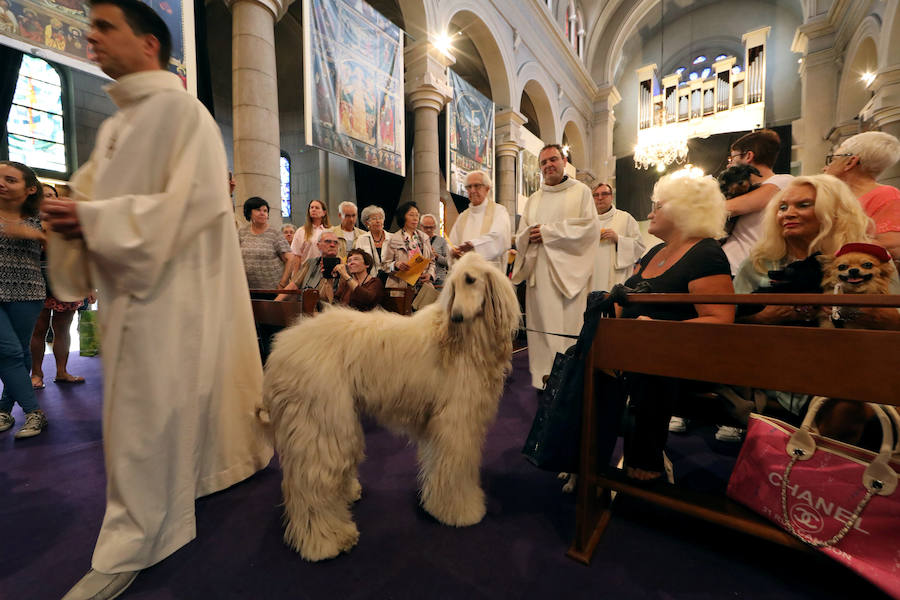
(858, 162)
(688, 215)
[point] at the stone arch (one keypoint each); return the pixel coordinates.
(862, 57)
(623, 30)
(484, 35)
(890, 36)
(533, 81)
(415, 18)
(572, 134)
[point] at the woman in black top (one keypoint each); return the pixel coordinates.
(688, 214)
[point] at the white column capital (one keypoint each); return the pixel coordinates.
(607, 97)
(508, 126)
(884, 107)
(278, 8)
(426, 75)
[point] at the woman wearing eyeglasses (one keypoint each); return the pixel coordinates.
(858, 162)
(688, 215)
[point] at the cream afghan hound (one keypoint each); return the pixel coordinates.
(436, 377)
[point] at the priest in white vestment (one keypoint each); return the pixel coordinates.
(483, 227)
(151, 228)
(621, 243)
(556, 250)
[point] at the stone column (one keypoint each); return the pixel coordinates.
(603, 163)
(818, 95)
(884, 113)
(427, 91)
(508, 126)
(257, 143)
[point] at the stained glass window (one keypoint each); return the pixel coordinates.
(35, 126)
(285, 170)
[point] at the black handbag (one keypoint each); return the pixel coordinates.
(554, 440)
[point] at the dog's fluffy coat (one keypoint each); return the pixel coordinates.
(436, 376)
(854, 273)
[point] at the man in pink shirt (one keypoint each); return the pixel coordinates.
(858, 162)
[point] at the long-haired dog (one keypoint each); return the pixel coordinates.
(436, 377)
(856, 268)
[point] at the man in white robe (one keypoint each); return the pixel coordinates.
(621, 243)
(484, 226)
(152, 230)
(556, 250)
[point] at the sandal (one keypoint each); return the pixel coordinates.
(37, 383)
(68, 379)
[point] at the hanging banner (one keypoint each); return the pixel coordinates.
(353, 74)
(470, 134)
(57, 30)
(529, 169)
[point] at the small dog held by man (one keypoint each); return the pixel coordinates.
(436, 377)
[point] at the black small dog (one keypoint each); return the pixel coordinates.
(799, 277)
(735, 181)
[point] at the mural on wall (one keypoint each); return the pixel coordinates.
(470, 134)
(353, 70)
(57, 30)
(529, 169)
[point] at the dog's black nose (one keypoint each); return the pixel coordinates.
(456, 318)
(854, 272)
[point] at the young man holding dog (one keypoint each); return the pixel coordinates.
(153, 230)
(758, 149)
(556, 250)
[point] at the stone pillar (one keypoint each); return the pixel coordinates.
(427, 91)
(257, 143)
(883, 112)
(603, 163)
(818, 96)
(508, 126)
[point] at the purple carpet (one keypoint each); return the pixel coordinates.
(51, 504)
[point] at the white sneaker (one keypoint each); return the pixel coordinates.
(727, 433)
(35, 422)
(6, 421)
(100, 586)
(678, 424)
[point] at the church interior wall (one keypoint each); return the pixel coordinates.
(92, 106)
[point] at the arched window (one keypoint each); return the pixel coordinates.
(35, 128)
(285, 171)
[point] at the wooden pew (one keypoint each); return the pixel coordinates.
(399, 300)
(282, 314)
(852, 364)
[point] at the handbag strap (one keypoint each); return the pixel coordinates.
(879, 478)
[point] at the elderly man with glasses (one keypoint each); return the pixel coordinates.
(483, 227)
(758, 149)
(312, 275)
(621, 242)
(858, 162)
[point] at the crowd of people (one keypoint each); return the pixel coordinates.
(171, 436)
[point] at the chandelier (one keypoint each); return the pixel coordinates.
(659, 150)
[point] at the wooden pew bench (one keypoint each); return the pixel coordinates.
(817, 361)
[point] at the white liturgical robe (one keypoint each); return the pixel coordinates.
(615, 260)
(491, 240)
(558, 271)
(182, 372)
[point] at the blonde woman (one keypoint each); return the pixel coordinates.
(688, 215)
(815, 213)
(306, 238)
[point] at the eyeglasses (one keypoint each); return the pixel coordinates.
(655, 205)
(474, 186)
(604, 193)
(732, 157)
(830, 157)
(330, 242)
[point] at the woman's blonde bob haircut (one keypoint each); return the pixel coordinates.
(695, 205)
(841, 221)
